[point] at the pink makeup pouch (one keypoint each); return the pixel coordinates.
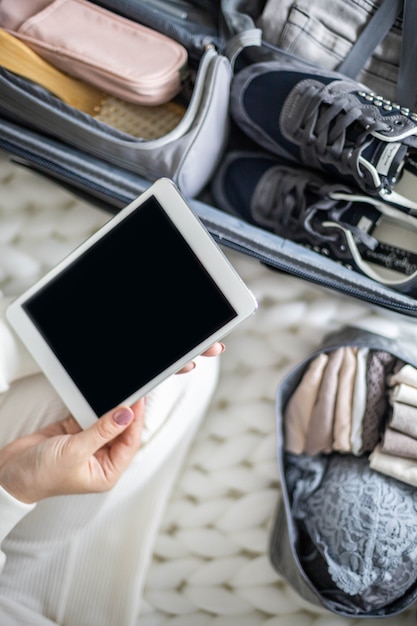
(119, 56)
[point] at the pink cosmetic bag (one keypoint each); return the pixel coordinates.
(119, 56)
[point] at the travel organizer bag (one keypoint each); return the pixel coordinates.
(110, 168)
(144, 67)
(188, 154)
(344, 533)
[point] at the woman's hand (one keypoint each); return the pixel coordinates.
(62, 459)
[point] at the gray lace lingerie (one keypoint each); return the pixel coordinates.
(363, 548)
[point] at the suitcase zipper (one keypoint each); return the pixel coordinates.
(75, 183)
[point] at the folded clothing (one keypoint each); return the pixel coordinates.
(404, 418)
(341, 402)
(344, 532)
(397, 443)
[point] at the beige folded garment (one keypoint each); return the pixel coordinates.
(344, 401)
(119, 56)
(404, 393)
(406, 374)
(399, 444)
(404, 418)
(320, 428)
(394, 466)
(300, 406)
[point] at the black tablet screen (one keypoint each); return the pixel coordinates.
(129, 307)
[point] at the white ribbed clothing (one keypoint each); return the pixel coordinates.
(81, 560)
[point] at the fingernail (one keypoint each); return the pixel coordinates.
(223, 346)
(123, 416)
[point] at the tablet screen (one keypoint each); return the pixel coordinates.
(128, 307)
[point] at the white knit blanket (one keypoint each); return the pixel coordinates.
(210, 565)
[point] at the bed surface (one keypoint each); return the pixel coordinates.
(210, 565)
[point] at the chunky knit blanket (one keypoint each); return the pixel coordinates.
(210, 565)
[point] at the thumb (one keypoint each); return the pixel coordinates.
(107, 428)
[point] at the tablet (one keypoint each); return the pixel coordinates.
(144, 295)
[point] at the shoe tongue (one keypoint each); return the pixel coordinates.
(386, 158)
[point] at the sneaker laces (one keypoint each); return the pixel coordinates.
(323, 131)
(289, 200)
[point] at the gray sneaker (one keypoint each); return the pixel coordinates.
(361, 232)
(321, 120)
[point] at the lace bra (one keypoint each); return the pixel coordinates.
(366, 531)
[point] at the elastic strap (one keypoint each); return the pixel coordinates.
(374, 32)
(237, 29)
(236, 44)
(407, 76)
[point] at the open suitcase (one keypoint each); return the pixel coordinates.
(110, 167)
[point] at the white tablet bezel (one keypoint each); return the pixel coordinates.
(202, 244)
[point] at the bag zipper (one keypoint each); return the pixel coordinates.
(169, 20)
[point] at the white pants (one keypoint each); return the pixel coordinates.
(82, 560)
